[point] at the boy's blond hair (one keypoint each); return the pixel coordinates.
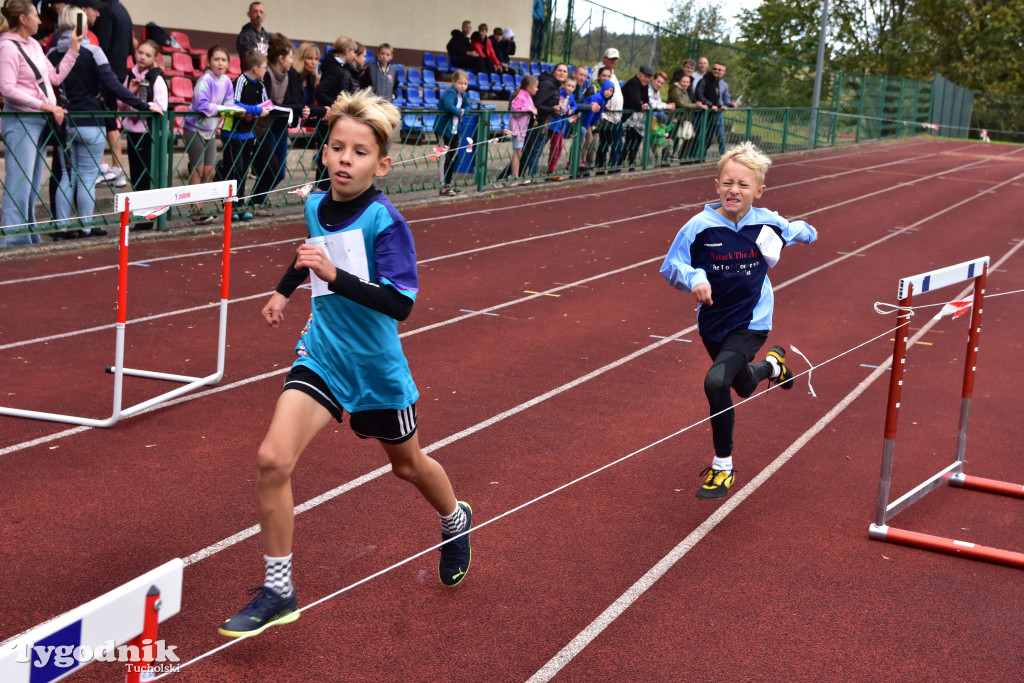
(381, 116)
(747, 154)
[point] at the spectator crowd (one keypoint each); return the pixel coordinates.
(79, 61)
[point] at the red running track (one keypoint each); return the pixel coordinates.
(623, 575)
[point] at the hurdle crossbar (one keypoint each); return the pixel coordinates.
(141, 203)
(953, 474)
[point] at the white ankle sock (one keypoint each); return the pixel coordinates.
(722, 463)
(776, 368)
(279, 574)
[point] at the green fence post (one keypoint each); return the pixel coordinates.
(648, 119)
(574, 149)
(881, 105)
(750, 124)
(860, 105)
(160, 151)
(785, 128)
(483, 134)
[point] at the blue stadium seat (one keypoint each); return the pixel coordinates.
(413, 78)
(474, 99)
(428, 122)
(483, 82)
(443, 65)
(399, 74)
(496, 85)
(413, 98)
(369, 56)
(430, 98)
(472, 80)
(429, 61)
(429, 81)
(412, 122)
(399, 100)
(534, 69)
(508, 83)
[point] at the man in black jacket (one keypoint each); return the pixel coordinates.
(253, 36)
(636, 98)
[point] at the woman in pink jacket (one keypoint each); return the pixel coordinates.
(27, 81)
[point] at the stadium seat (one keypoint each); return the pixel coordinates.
(474, 99)
(534, 69)
(185, 43)
(234, 67)
(413, 78)
(471, 77)
(496, 86)
(181, 65)
(369, 56)
(430, 98)
(483, 82)
(399, 100)
(179, 90)
(411, 122)
(429, 80)
(508, 83)
(429, 61)
(413, 98)
(428, 122)
(400, 74)
(443, 65)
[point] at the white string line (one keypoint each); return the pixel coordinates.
(588, 634)
(519, 507)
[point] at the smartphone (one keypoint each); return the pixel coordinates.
(81, 24)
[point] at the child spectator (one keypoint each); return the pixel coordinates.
(239, 141)
(380, 75)
(446, 126)
(212, 93)
(523, 113)
(335, 78)
(485, 48)
(350, 357)
(722, 255)
(591, 111)
(560, 124)
(145, 82)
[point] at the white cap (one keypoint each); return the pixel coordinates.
(611, 53)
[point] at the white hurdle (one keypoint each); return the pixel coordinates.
(154, 202)
(120, 626)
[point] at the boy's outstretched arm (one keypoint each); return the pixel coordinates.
(800, 231)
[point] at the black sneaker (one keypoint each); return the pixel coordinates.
(456, 555)
(267, 609)
(717, 483)
(785, 378)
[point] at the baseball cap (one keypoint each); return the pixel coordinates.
(611, 53)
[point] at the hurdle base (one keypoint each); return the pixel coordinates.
(948, 546)
(1005, 488)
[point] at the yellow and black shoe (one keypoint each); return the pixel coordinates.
(785, 378)
(456, 553)
(267, 609)
(716, 484)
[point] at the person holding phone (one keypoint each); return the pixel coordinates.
(90, 81)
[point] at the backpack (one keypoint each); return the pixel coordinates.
(156, 33)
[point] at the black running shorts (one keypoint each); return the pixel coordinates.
(389, 426)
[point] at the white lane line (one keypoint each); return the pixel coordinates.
(633, 593)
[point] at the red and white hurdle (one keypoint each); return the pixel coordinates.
(976, 271)
(143, 203)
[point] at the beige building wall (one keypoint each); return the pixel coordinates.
(412, 24)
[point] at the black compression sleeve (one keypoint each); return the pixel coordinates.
(381, 298)
(293, 277)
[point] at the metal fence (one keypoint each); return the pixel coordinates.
(67, 196)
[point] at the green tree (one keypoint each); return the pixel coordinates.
(690, 23)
